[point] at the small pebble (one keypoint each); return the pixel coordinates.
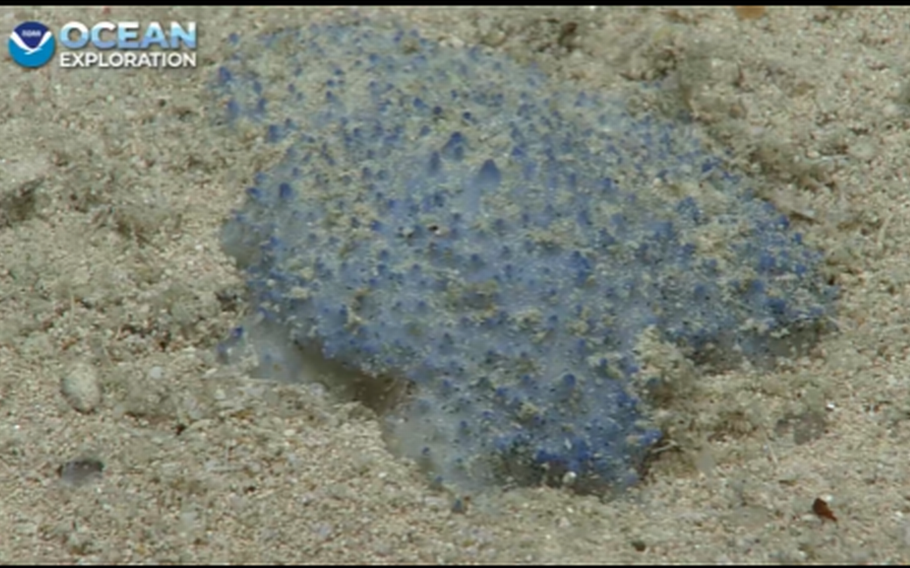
(81, 471)
(862, 151)
(80, 388)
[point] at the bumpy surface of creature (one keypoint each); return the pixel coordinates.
(454, 219)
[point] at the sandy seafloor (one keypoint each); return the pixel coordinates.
(113, 188)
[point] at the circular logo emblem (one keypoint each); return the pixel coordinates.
(31, 44)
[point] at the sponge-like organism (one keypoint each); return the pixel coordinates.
(451, 218)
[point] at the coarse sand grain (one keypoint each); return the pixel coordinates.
(113, 187)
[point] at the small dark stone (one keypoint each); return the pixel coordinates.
(81, 471)
(460, 506)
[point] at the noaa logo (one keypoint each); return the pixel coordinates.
(31, 44)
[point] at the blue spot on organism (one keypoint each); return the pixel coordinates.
(455, 147)
(224, 76)
(488, 177)
(453, 219)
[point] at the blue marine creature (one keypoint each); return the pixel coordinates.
(453, 219)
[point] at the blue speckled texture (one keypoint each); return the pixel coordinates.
(457, 220)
